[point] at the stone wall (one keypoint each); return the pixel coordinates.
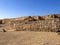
(34, 23)
(42, 25)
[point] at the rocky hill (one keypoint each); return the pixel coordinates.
(48, 23)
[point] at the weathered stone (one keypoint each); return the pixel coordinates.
(32, 23)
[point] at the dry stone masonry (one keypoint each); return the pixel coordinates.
(48, 23)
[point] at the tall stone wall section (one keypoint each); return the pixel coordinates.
(42, 25)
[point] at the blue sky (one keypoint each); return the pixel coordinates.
(18, 8)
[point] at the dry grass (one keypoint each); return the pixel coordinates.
(29, 38)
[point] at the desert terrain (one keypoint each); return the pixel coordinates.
(29, 38)
(30, 30)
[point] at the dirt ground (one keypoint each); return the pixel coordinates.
(29, 38)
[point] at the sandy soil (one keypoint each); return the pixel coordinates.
(29, 38)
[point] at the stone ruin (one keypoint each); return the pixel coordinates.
(48, 23)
